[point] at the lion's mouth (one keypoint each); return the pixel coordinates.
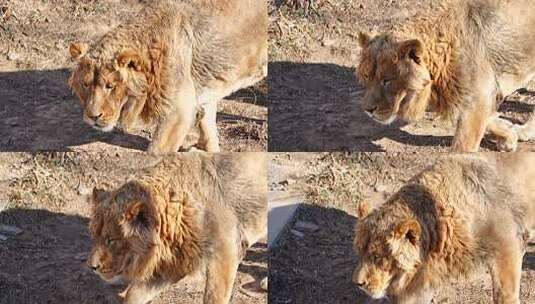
(383, 117)
(99, 125)
(373, 295)
(112, 279)
(104, 127)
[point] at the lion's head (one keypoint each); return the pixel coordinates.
(389, 250)
(108, 89)
(397, 82)
(124, 227)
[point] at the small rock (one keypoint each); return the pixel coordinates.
(83, 190)
(5, 12)
(327, 42)
(306, 226)
(12, 56)
(287, 182)
(3, 238)
(11, 230)
(380, 188)
(296, 233)
(264, 284)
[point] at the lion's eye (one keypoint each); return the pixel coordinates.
(85, 85)
(110, 86)
(376, 258)
(109, 241)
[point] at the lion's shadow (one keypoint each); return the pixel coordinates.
(46, 262)
(529, 258)
(315, 267)
(316, 107)
(38, 112)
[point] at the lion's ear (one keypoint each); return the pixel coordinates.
(78, 50)
(363, 209)
(363, 39)
(130, 59)
(409, 230)
(139, 220)
(98, 195)
(362, 236)
(412, 49)
(134, 212)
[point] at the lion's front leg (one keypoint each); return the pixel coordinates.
(144, 292)
(221, 272)
(422, 296)
(506, 270)
(475, 118)
(174, 127)
(471, 128)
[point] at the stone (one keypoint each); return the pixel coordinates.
(302, 225)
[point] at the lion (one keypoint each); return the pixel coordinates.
(463, 213)
(173, 60)
(458, 60)
(189, 213)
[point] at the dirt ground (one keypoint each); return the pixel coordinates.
(45, 196)
(314, 259)
(314, 96)
(39, 112)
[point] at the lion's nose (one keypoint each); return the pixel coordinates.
(94, 117)
(358, 279)
(360, 283)
(92, 266)
(371, 109)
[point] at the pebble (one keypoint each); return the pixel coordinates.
(12, 56)
(296, 233)
(287, 182)
(2, 237)
(83, 190)
(306, 226)
(11, 230)
(264, 284)
(380, 188)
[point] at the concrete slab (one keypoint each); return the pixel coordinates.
(281, 211)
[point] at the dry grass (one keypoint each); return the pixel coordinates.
(333, 182)
(45, 180)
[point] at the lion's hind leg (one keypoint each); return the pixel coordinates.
(504, 130)
(527, 131)
(209, 137)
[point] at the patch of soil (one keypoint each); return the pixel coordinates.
(316, 265)
(45, 195)
(39, 112)
(315, 97)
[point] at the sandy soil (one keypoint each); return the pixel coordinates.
(38, 110)
(45, 195)
(314, 264)
(314, 95)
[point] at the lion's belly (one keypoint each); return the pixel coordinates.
(218, 89)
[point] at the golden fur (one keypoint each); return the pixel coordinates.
(174, 58)
(462, 213)
(459, 60)
(189, 211)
